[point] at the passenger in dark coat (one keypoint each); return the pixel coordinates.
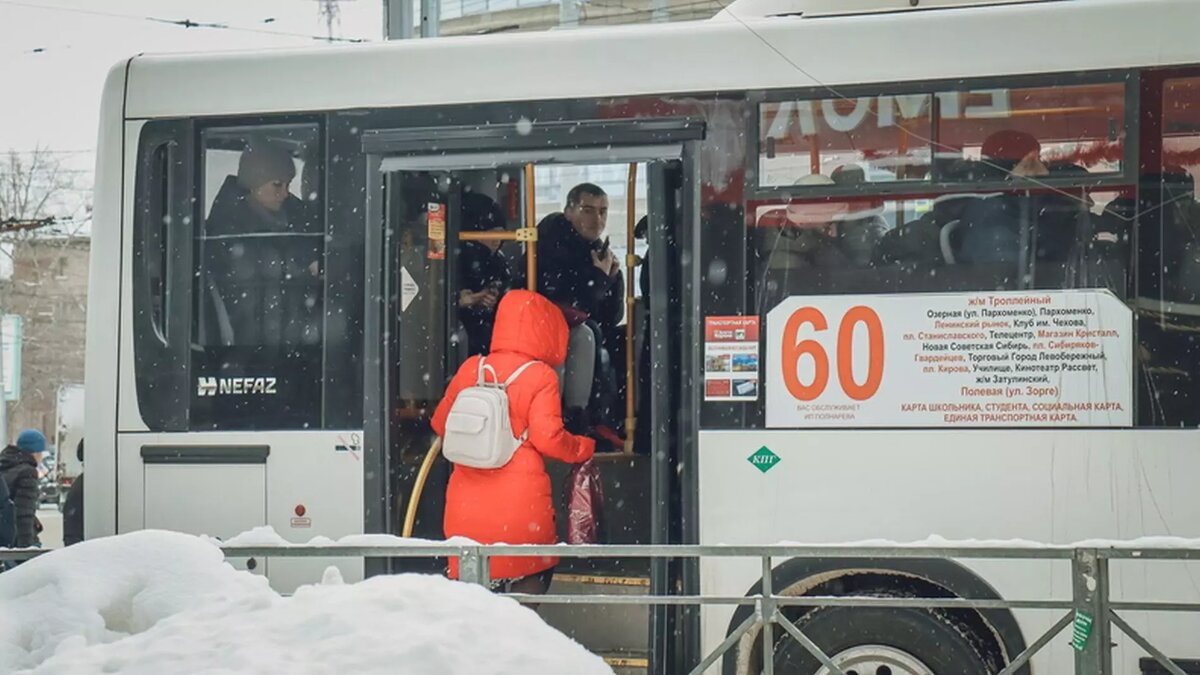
(575, 268)
(73, 507)
(579, 272)
(19, 469)
(262, 248)
(484, 274)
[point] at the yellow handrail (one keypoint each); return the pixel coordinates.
(410, 514)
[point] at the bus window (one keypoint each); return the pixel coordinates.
(1167, 219)
(1078, 128)
(1017, 206)
(258, 279)
(159, 224)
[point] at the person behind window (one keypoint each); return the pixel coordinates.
(578, 271)
(263, 255)
(991, 231)
(484, 274)
(799, 241)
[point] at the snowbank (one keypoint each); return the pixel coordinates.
(266, 535)
(156, 602)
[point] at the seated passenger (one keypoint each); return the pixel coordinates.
(578, 272)
(860, 229)
(991, 228)
(802, 236)
(483, 271)
(262, 251)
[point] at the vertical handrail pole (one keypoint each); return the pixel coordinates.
(473, 566)
(631, 263)
(530, 224)
(767, 608)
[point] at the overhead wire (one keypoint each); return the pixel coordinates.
(183, 23)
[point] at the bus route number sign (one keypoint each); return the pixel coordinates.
(1043, 358)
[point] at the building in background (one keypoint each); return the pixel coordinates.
(48, 289)
(468, 17)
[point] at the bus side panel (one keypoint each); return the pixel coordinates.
(103, 310)
(1047, 486)
(320, 471)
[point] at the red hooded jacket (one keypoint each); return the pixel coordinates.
(513, 504)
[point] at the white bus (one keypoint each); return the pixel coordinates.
(913, 270)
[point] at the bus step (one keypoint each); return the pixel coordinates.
(601, 628)
(628, 663)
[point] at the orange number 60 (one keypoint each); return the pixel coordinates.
(793, 350)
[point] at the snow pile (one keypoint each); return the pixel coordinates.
(266, 536)
(156, 602)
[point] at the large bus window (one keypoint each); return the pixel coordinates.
(1167, 218)
(258, 297)
(973, 134)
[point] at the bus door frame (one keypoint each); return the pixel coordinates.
(669, 147)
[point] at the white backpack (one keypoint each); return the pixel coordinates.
(478, 431)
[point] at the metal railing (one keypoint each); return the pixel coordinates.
(1091, 610)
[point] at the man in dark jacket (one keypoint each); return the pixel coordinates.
(578, 271)
(19, 469)
(576, 268)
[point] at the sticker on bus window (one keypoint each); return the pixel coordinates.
(436, 220)
(731, 363)
(980, 359)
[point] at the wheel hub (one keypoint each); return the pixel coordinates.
(876, 660)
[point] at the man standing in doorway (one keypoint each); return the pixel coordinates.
(578, 271)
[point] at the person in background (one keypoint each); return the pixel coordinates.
(514, 504)
(484, 274)
(19, 469)
(73, 506)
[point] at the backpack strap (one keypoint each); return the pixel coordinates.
(484, 369)
(517, 373)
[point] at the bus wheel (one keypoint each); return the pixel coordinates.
(882, 641)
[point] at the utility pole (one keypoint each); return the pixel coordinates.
(331, 13)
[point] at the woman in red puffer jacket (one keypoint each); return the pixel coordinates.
(513, 504)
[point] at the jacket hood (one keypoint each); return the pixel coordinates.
(529, 324)
(13, 456)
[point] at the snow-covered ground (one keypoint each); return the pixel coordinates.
(161, 602)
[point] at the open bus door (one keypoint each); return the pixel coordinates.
(418, 343)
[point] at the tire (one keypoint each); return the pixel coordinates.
(904, 636)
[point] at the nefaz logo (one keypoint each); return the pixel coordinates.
(235, 386)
